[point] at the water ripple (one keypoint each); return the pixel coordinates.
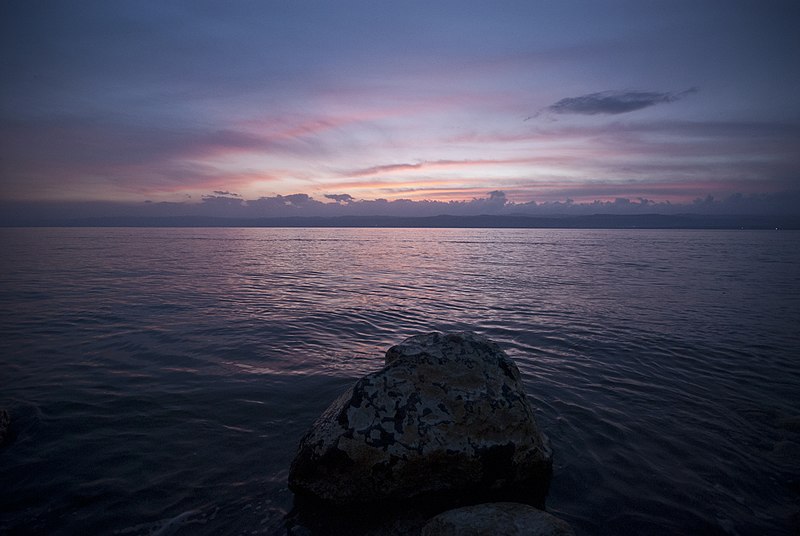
(161, 378)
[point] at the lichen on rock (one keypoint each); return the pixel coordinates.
(446, 417)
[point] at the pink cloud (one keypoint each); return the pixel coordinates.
(453, 164)
(672, 191)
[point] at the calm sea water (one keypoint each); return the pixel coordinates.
(160, 379)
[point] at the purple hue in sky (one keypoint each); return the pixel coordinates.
(326, 108)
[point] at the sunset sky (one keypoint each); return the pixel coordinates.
(191, 102)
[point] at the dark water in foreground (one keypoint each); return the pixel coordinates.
(160, 379)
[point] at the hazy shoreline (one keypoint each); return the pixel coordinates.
(595, 221)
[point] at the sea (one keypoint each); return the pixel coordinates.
(159, 380)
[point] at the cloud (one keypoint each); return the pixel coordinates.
(298, 199)
(435, 164)
(388, 168)
(341, 198)
(614, 102)
(615, 201)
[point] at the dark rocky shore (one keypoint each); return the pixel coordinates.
(441, 440)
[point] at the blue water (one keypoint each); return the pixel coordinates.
(160, 379)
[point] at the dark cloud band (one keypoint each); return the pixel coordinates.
(614, 102)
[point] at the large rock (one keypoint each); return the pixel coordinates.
(446, 418)
(496, 519)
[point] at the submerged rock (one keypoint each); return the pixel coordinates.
(791, 424)
(446, 419)
(5, 425)
(507, 519)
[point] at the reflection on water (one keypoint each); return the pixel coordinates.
(161, 378)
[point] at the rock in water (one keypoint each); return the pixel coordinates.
(5, 425)
(446, 418)
(508, 519)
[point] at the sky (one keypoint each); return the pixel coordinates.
(272, 108)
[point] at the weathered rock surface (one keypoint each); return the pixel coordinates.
(5, 425)
(447, 417)
(496, 519)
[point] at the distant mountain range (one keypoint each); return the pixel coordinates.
(514, 221)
